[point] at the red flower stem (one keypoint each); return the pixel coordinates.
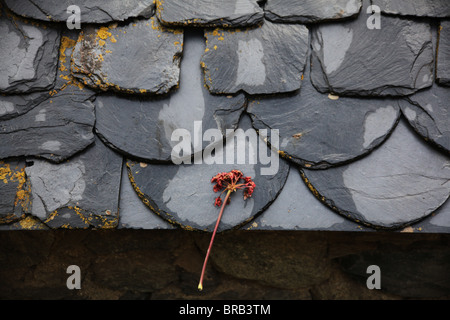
(200, 285)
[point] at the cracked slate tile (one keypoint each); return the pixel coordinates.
(91, 11)
(420, 8)
(139, 57)
(438, 222)
(428, 112)
(142, 128)
(15, 195)
(28, 54)
(267, 59)
(400, 183)
(443, 58)
(296, 208)
(209, 13)
(308, 123)
(55, 126)
(348, 58)
(82, 192)
(310, 11)
(134, 214)
(183, 194)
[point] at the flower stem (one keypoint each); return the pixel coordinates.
(200, 285)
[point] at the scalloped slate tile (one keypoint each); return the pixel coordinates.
(443, 59)
(101, 58)
(14, 190)
(28, 55)
(92, 11)
(209, 13)
(183, 194)
(308, 123)
(134, 214)
(350, 59)
(297, 209)
(142, 128)
(263, 60)
(80, 193)
(310, 11)
(421, 8)
(428, 112)
(53, 125)
(401, 182)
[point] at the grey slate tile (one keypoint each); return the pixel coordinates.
(443, 55)
(91, 11)
(28, 54)
(420, 8)
(428, 112)
(82, 192)
(317, 130)
(139, 57)
(183, 194)
(351, 59)
(400, 183)
(142, 128)
(133, 213)
(310, 11)
(53, 125)
(263, 60)
(296, 208)
(210, 13)
(14, 190)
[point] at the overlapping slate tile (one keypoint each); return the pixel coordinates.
(428, 111)
(349, 58)
(183, 194)
(28, 54)
(14, 190)
(142, 128)
(134, 214)
(91, 11)
(139, 57)
(443, 58)
(296, 208)
(55, 124)
(262, 60)
(80, 193)
(310, 11)
(210, 13)
(421, 8)
(318, 130)
(401, 182)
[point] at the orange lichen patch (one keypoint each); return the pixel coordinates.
(103, 33)
(31, 223)
(18, 176)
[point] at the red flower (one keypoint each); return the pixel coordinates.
(228, 181)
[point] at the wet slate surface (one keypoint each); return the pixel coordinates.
(183, 194)
(403, 181)
(310, 11)
(420, 8)
(28, 54)
(101, 57)
(443, 55)
(82, 192)
(54, 124)
(15, 201)
(150, 123)
(296, 208)
(346, 58)
(261, 60)
(91, 11)
(134, 214)
(209, 13)
(428, 112)
(308, 121)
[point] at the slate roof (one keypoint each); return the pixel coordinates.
(87, 116)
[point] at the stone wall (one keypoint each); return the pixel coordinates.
(166, 264)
